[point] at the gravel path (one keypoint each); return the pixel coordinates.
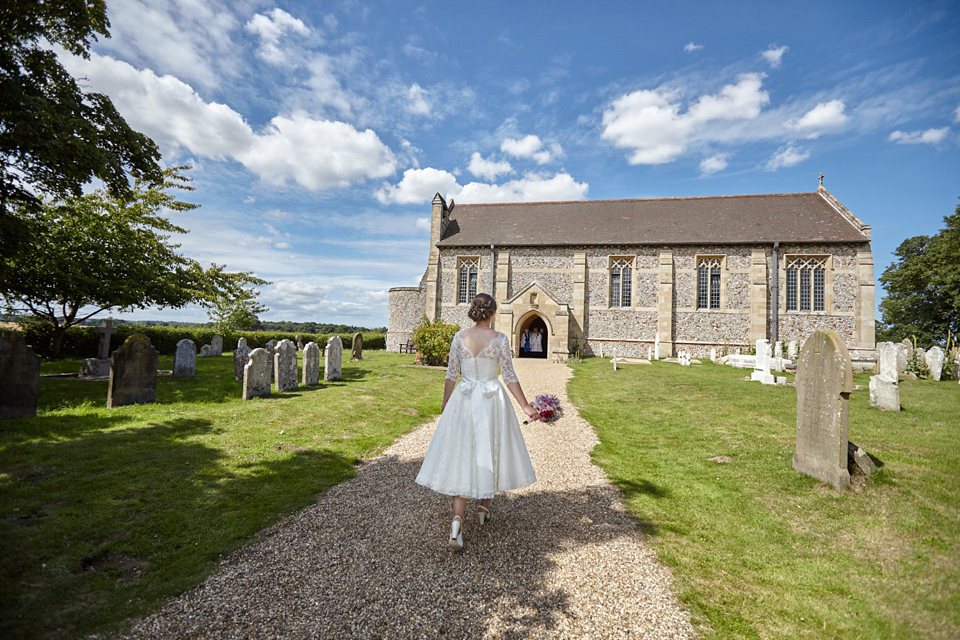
(560, 559)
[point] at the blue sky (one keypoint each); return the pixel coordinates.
(318, 132)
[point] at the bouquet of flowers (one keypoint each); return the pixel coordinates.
(548, 406)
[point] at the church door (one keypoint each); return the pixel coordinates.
(533, 323)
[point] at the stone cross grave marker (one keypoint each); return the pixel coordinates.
(19, 376)
(106, 329)
(216, 346)
(185, 358)
(311, 364)
(356, 351)
(133, 373)
(100, 366)
(934, 358)
(824, 383)
(885, 387)
(240, 358)
(256, 375)
(333, 359)
(761, 370)
(285, 364)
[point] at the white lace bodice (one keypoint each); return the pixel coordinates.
(483, 365)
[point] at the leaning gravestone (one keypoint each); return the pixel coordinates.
(885, 387)
(356, 351)
(285, 364)
(934, 362)
(133, 373)
(333, 359)
(824, 382)
(256, 375)
(240, 358)
(216, 346)
(19, 376)
(311, 364)
(100, 366)
(185, 358)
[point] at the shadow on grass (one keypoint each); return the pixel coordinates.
(100, 522)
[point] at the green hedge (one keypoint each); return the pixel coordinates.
(83, 342)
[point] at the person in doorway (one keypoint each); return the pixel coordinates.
(536, 342)
(525, 341)
(477, 449)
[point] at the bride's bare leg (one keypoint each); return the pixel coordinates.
(459, 506)
(485, 502)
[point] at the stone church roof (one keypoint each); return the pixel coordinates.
(751, 219)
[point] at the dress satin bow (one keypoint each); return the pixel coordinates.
(477, 390)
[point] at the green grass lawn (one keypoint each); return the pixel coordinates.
(760, 551)
(107, 512)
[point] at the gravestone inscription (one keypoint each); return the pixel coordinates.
(333, 359)
(185, 358)
(256, 375)
(19, 376)
(285, 364)
(824, 382)
(311, 364)
(133, 373)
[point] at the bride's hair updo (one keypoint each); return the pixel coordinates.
(482, 308)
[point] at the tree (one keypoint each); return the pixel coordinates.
(923, 287)
(237, 307)
(55, 137)
(97, 252)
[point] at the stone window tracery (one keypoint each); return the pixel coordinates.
(621, 282)
(806, 277)
(708, 283)
(467, 279)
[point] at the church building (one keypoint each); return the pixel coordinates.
(613, 276)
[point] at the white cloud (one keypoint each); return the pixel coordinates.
(270, 28)
(419, 186)
(249, 200)
(416, 101)
(486, 168)
(650, 124)
(531, 147)
(824, 116)
(317, 154)
(690, 47)
(281, 245)
(774, 55)
(930, 136)
(956, 115)
(326, 88)
(423, 223)
(787, 156)
(714, 163)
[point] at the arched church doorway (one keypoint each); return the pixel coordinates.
(532, 325)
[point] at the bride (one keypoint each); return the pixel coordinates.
(477, 448)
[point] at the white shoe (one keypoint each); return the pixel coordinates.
(456, 535)
(483, 513)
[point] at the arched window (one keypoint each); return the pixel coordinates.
(467, 285)
(708, 283)
(621, 282)
(805, 283)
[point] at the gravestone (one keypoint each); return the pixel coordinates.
(185, 358)
(879, 347)
(205, 351)
(885, 387)
(777, 362)
(256, 375)
(333, 359)
(100, 366)
(921, 356)
(311, 364)
(908, 343)
(934, 362)
(656, 348)
(19, 376)
(356, 352)
(240, 358)
(901, 357)
(270, 347)
(824, 382)
(683, 358)
(649, 353)
(299, 344)
(792, 350)
(713, 354)
(133, 373)
(285, 364)
(216, 346)
(761, 370)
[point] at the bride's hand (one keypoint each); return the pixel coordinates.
(532, 413)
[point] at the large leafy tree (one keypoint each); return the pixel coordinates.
(96, 252)
(237, 307)
(923, 287)
(54, 136)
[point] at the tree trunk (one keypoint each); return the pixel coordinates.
(56, 341)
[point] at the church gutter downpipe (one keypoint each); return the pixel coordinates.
(776, 293)
(493, 273)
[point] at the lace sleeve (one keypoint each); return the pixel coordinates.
(453, 360)
(506, 364)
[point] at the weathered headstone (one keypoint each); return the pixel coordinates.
(240, 358)
(824, 383)
(885, 387)
(792, 350)
(19, 376)
(216, 346)
(901, 357)
(100, 366)
(333, 359)
(311, 364)
(777, 361)
(256, 375)
(683, 358)
(133, 373)
(285, 364)
(356, 351)
(205, 351)
(299, 344)
(713, 354)
(649, 353)
(934, 362)
(185, 358)
(908, 343)
(761, 370)
(656, 347)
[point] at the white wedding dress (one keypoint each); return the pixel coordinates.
(477, 449)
